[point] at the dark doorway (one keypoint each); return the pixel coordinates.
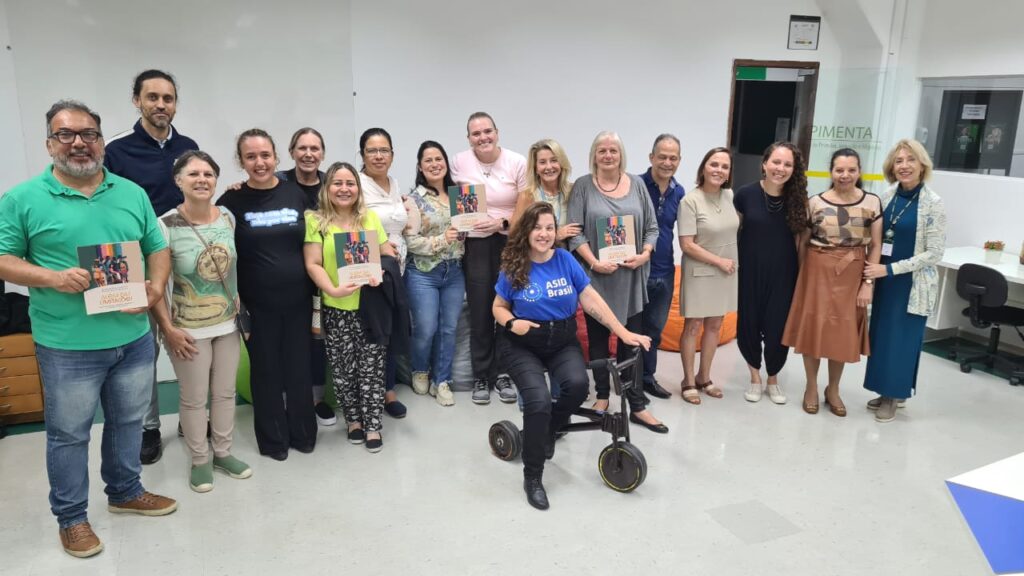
(771, 100)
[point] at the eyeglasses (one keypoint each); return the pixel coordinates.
(377, 151)
(68, 136)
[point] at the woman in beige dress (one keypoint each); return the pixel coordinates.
(707, 225)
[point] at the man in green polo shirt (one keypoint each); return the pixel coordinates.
(85, 360)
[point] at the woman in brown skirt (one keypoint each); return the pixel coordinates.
(828, 317)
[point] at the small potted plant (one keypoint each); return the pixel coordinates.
(994, 251)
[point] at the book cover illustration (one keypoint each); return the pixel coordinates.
(117, 279)
(616, 239)
(468, 206)
(358, 255)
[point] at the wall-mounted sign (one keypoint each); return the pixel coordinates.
(974, 112)
(803, 32)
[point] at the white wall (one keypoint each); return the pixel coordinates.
(981, 38)
(238, 65)
(976, 39)
(565, 70)
(12, 145)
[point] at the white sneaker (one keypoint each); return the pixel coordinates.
(443, 394)
(753, 394)
(420, 383)
(775, 394)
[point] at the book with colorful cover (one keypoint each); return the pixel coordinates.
(468, 205)
(117, 279)
(616, 239)
(358, 255)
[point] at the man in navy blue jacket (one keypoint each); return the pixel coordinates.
(665, 194)
(145, 156)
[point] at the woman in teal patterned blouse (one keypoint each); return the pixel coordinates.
(433, 276)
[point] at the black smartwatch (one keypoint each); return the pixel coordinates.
(504, 223)
(508, 325)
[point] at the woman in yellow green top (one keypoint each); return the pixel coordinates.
(357, 365)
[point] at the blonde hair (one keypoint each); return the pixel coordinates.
(916, 149)
(533, 179)
(327, 211)
(614, 137)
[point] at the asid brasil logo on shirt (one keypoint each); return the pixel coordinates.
(272, 218)
(555, 288)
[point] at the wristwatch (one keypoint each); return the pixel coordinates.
(504, 223)
(508, 325)
(869, 281)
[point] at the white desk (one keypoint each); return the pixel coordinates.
(949, 310)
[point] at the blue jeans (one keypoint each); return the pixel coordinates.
(435, 298)
(659, 300)
(75, 381)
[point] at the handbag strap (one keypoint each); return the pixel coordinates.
(206, 246)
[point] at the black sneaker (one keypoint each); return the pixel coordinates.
(324, 415)
(152, 447)
(506, 390)
(481, 391)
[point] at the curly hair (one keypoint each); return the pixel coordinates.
(515, 257)
(794, 191)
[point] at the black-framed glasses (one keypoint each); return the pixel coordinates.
(68, 136)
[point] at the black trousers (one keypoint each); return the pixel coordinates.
(764, 322)
(480, 265)
(279, 358)
(598, 335)
(552, 348)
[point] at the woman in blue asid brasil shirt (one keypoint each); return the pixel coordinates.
(538, 290)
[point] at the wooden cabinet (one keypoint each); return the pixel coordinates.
(21, 390)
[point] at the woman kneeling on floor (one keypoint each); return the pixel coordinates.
(538, 290)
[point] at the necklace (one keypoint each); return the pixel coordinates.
(773, 203)
(597, 179)
(894, 218)
(716, 205)
(485, 169)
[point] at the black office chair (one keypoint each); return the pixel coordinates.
(986, 289)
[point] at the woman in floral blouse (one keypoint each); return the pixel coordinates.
(434, 276)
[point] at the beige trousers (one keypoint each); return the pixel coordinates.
(211, 373)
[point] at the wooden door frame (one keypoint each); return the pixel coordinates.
(744, 62)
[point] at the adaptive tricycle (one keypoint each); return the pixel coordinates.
(622, 466)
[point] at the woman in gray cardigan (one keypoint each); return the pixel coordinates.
(913, 240)
(606, 192)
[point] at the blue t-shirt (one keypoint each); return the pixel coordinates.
(553, 292)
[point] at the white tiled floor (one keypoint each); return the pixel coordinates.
(734, 488)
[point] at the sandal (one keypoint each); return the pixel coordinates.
(692, 398)
(710, 389)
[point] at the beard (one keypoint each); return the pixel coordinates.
(76, 169)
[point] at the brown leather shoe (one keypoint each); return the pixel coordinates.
(80, 541)
(146, 504)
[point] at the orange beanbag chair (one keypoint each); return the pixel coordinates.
(674, 326)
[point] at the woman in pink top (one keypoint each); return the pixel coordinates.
(502, 173)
